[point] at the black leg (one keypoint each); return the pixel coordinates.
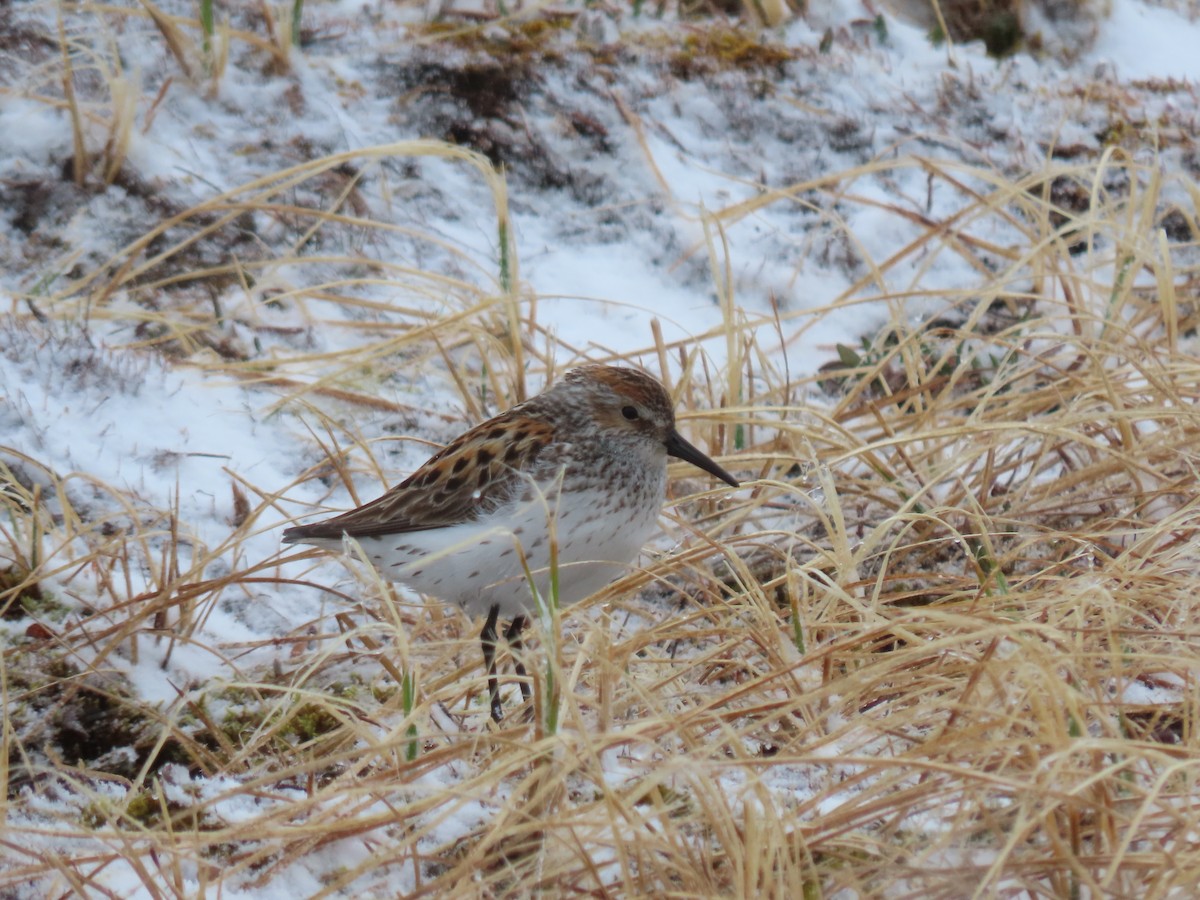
(513, 638)
(487, 639)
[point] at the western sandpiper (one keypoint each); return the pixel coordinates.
(558, 493)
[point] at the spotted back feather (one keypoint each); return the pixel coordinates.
(472, 475)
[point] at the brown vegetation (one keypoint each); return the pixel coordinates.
(942, 645)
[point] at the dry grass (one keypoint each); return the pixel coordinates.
(918, 665)
(942, 645)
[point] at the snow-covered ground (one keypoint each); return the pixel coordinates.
(641, 168)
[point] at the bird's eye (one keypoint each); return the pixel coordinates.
(629, 412)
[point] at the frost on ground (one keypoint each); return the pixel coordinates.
(246, 282)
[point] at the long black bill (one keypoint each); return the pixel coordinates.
(681, 449)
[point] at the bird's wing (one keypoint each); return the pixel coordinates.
(473, 474)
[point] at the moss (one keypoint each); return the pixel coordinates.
(345, 691)
(1001, 33)
(240, 723)
(382, 693)
(144, 809)
(995, 22)
(1135, 132)
(712, 50)
(18, 596)
(222, 851)
(84, 718)
(312, 721)
(478, 87)
(474, 88)
(521, 42)
(249, 718)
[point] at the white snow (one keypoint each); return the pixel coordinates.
(1146, 41)
(126, 433)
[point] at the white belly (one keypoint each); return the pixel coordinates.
(479, 564)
